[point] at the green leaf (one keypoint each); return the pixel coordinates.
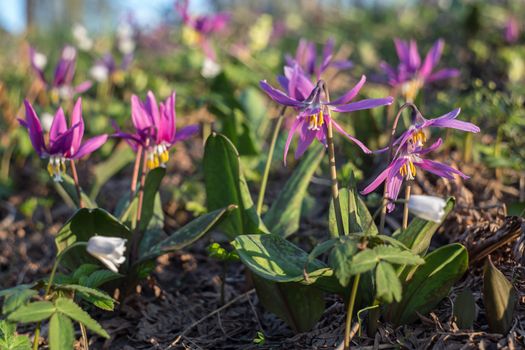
(16, 289)
(68, 185)
(285, 212)
(120, 157)
(298, 305)
(363, 261)
(465, 310)
(84, 270)
(100, 277)
(275, 259)
(395, 255)
(419, 232)
(388, 286)
(69, 308)
(61, 333)
(16, 300)
(83, 225)
(33, 312)
(9, 340)
(356, 217)
(499, 297)
(341, 256)
(187, 234)
(429, 283)
(226, 185)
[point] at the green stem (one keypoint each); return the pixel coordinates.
(50, 283)
(351, 302)
(264, 181)
(405, 208)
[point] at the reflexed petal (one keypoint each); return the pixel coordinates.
(378, 181)
(32, 123)
(364, 104)
(340, 130)
(297, 122)
(445, 73)
(83, 87)
(432, 58)
(348, 96)
(306, 137)
(279, 96)
(440, 169)
(90, 146)
(187, 132)
(393, 187)
(433, 147)
(448, 121)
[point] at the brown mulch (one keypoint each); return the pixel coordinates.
(180, 307)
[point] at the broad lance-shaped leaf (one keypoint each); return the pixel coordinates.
(356, 217)
(226, 185)
(298, 305)
(67, 188)
(188, 234)
(429, 283)
(499, 297)
(285, 213)
(276, 259)
(61, 333)
(465, 309)
(419, 232)
(83, 225)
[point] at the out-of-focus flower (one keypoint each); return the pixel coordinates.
(416, 131)
(155, 128)
(109, 250)
(126, 42)
(429, 208)
(312, 107)
(81, 36)
(106, 68)
(306, 57)
(210, 69)
(199, 28)
(64, 143)
(512, 30)
(404, 165)
(260, 32)
(62, 84)
(412, 74)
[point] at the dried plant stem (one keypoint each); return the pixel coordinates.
(77, 184)
(405, 208)
(85, 342)
(136, 169)
(264, 180)
(350, 311)
(137, 235)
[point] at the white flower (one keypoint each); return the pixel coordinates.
(39, 60)
(99, 72)
(46, 120)
(82, 38)
(109, 250)
(210, 68)
(126, 46)
(427, 207)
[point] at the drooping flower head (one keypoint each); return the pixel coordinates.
(62, 83)
(63, 142)
(412, 74)
(426, 207)
(416, 131)
(155, 128)
(312, 107)
(306, 58)
(109, 250)
(200, 28)
(404, 167)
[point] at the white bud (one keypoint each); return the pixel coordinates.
(99, 73)
(109, 250)
(126, 46)
(39, 60)
(69, 53)
(210, 68)
(427, 207)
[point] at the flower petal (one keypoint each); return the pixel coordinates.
(76, 119)
(432, 58)
(340, 130)
(58, 127)
(187, 132)
(364, 104)
(279, 96)
(440, 169)
(445, 73)
(297, 122)
(349, 95)
(32, 123)
(90, 146)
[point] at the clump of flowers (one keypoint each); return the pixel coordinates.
(411, 73)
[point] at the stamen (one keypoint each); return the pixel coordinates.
(316, 121)
(56, 167)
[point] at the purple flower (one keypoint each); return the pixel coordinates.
(312, 108)
(404, 165)
(64, 143)
(155, 128)
(512, 30)
(62, 83)
(416, 132)
(412, 74)
(203, 26)
(306, 58)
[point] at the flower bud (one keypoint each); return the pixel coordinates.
(109, 250)
(427, 207)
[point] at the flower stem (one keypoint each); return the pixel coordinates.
(350, 311)
(77, 184)
(136, 169)
(137, 235)
(264, 181)
(332, 163)
(50, 283)
(405, 208)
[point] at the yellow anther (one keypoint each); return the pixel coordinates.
(164, 157)
(403, 170)
(316, 121)
(50, 169)
(412, 168)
